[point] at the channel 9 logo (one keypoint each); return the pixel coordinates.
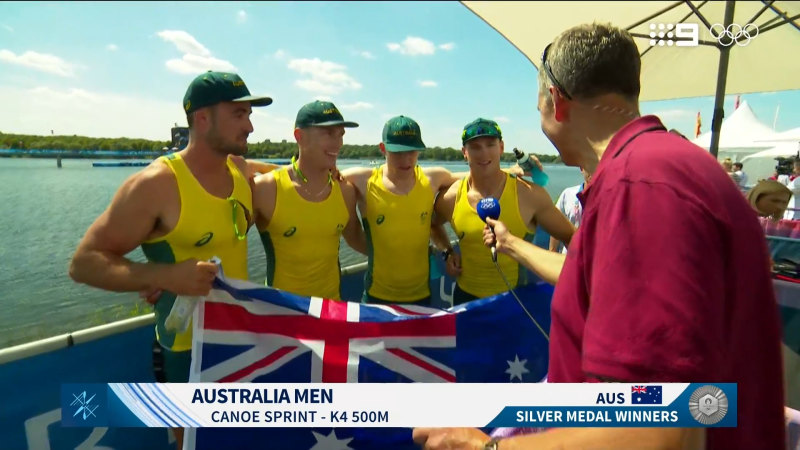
(680, 35)
(688, 34)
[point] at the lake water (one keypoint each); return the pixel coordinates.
(44, 212)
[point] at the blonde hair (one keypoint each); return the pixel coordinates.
(766, 187)
(727, 163)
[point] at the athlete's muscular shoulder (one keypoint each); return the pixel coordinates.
(452, 191)
(358, 176)
(146, 206)
(265, 191)
(349, 190)
(264, 184)
(446, 202)
(532, 194)
(157, 187)
(534, 202)
(149, 184)
(439, 177)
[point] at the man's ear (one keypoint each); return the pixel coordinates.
(383, 148)
(561, 105)
(201, 118)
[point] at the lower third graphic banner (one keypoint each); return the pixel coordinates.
(308, 405)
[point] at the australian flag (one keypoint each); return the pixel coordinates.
(250, 333)
(646, 395)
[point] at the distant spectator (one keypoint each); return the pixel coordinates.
(793, 209)
(739, 176)
(727, 164)
(570, 206)
(769, 198)
(787, 170)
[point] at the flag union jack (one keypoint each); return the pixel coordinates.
(261, 341)
(249, 333)
(646, 395)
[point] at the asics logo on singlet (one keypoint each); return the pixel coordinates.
(204, 239)
(380, 219)
(289, 232)
(423, 216)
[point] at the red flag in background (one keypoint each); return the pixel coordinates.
(697, 125)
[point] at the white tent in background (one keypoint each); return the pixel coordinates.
(792, 135)
(741, 134)
(761, 165)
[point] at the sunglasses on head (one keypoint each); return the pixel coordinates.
(471, 132)
(235, 205)
(549, 72)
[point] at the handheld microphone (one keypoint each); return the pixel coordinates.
(489, 207)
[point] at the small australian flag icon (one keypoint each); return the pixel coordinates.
(646, 395)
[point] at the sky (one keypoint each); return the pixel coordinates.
(106, 69)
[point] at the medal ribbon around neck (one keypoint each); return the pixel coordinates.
(300, 172)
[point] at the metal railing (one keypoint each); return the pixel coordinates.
(61, 341)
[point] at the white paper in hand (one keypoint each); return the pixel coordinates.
(180, 316)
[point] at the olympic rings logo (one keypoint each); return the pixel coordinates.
(734, 33)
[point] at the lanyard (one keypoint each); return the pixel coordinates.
(300, 172)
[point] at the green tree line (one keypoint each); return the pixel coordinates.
(77, 143)
(265, 149)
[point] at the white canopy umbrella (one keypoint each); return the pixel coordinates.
(764, 62)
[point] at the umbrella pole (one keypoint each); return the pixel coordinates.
(722, 79)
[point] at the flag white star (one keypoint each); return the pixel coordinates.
(516, 368)
(330, 442)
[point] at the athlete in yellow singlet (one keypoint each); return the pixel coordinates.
(398, 229)
(522, 206)
(302, 211)
(479, 277)
(180, 209)
(301, 241)
(396, 204)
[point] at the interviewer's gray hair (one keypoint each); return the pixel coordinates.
(591, 60)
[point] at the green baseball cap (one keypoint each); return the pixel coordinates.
(321, 114)
(402, 134)
(480, 127)
(210, 88)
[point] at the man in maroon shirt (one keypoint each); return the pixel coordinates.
(666, 280)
